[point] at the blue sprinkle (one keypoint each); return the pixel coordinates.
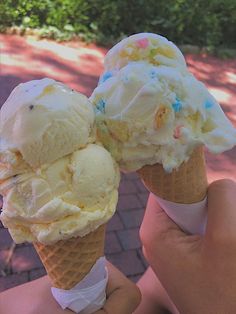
(100, 106)
(153, 74)
(208, 104)
(105, 76)
(177, 106)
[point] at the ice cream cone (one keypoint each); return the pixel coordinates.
(186, 185)
(67, 262)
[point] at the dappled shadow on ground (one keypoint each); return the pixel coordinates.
(213, 71)
(23, 60)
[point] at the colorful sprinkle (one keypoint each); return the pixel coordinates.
(100, 106)
(153, 74)
(177, 131)
(177, 106)
(208, 104)
(105, 76)
(142, 43)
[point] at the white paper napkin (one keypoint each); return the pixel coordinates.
(89, 295)
(191, 218)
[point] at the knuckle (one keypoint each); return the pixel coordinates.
(135, 294)
(138, 297)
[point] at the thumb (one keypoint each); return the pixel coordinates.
(221, 211)
(163, 241)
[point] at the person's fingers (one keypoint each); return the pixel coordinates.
(154, 297)
(162, 239)
(123, 296)
(169, 251)
(221, 212)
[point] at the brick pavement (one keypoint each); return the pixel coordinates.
(77, 65)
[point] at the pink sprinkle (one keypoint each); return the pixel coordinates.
(142, 43)
(177, 131)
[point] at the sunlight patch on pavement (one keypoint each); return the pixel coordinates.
(63, 51)
(220, 95)
(12, 59)
(231, 77)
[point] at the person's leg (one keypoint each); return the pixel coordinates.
(33, 297)
(155, 300)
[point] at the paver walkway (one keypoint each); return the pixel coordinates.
(78, 65)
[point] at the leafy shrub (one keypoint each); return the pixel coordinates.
(204, 23)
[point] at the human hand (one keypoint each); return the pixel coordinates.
(198, 272)
(35, 297)
(123, 296)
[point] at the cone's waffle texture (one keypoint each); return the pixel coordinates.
(186, 185)
(67, 262)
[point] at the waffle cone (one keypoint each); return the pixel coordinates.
(186, 185)
(67, 262)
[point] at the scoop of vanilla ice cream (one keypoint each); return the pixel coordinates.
(41, 121)
(153, 48)
(70, 197)
(55, 183)
(149, 114)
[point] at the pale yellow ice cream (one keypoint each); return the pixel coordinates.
(42, 121)
(70, 197)
(150, 113)
(50, 198)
